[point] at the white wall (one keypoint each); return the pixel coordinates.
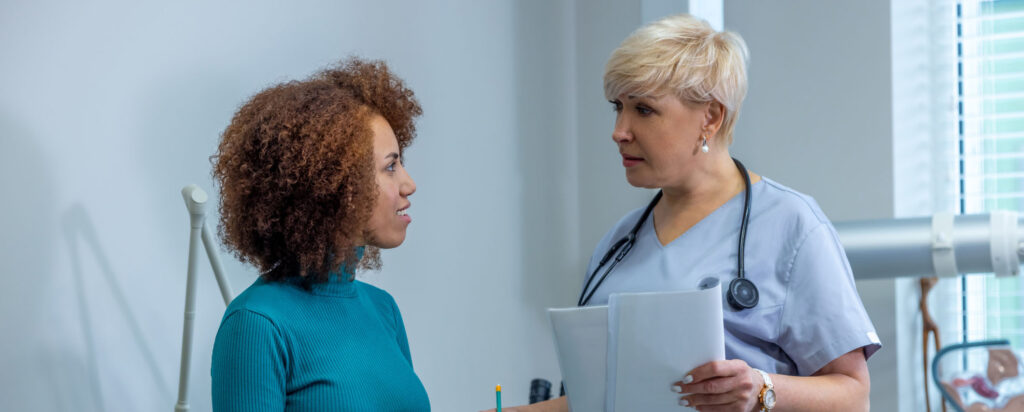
(109, 108)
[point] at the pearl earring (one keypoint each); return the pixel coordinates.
(704, 144)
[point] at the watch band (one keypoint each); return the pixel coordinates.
(766, 397)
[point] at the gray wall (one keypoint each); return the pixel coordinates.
(818, 118)
(109, 108)
(604, 194)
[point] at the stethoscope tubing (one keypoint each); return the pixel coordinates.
(626, 243)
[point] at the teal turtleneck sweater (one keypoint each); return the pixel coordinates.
(339, 346)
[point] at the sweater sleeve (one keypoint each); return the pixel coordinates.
(249, 366)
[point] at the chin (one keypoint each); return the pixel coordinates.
(389, 243)
(637, 181)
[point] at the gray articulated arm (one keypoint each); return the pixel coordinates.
(941, 245)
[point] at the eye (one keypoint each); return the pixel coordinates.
(643, 110)
(391, 167)
(616, 105)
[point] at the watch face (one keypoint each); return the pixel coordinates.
(769, 398)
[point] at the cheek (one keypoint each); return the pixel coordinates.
(386, 201)
(668, 159)
(659, 154)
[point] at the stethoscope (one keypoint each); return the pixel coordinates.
(742, 293)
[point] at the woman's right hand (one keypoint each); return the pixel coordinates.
(729, 385)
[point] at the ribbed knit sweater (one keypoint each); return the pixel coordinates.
(339, 346)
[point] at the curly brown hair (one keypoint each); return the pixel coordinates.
(296, 169)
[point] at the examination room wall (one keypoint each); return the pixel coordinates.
(110, 107)
(819, 117)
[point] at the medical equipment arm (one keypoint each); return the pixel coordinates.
(941, 245)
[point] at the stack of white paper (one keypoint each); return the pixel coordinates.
(625, 356)
(581, 336)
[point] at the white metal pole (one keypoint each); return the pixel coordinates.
(218, 271)
(195, 201)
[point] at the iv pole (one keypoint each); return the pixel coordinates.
(195, 201)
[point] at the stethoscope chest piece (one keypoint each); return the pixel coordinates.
(742, 294)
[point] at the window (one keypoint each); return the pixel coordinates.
(990, 83)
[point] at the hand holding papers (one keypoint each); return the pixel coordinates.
(624, 356)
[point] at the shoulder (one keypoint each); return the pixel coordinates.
(621, 228)
(798, 214)
(810, 246)
(256, 316)
(272, 300)
(380, 299)
(374, 294)
(618, 231)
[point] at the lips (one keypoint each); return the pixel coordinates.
(403, 214)
(630, 161)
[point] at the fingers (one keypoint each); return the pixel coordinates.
(719, 385)
(701, 400)
(732, 407)
(691, 383)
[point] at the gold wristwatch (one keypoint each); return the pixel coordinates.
(767, 395)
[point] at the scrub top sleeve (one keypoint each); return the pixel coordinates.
(249, 365)
(823, 317)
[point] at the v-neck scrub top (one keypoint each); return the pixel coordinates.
(809, 312)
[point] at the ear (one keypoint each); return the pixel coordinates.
(714, 115)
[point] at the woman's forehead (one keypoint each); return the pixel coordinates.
(384, 140)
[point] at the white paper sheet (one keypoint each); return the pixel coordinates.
(581, 339)
(654, 339)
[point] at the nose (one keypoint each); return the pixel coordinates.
(621, 133)
(408, 186)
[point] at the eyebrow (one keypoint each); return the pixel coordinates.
(391, 157)
(641, 97)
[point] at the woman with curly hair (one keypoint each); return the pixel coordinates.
(312, 185)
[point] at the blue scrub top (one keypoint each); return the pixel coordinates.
(809, 312)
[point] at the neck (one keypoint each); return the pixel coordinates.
(713, 183)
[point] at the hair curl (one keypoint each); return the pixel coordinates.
(296, 169)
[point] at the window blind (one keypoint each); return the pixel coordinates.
(990, 78)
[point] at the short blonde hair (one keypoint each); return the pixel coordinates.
(684, 55)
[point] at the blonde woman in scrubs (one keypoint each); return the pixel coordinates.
(676, 86)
